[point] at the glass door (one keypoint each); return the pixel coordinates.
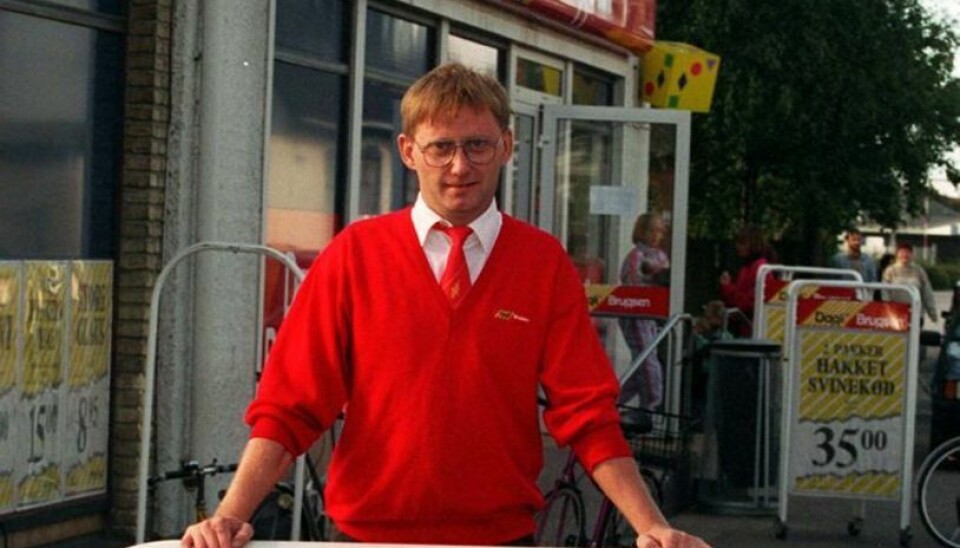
(613, 180)
(520, 195)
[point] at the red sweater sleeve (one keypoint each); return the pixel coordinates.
(304, 384)
(578, 379)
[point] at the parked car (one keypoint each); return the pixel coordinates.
(945, 396)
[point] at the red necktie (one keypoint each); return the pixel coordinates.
(455, 281)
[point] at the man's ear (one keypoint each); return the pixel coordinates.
(405, 145)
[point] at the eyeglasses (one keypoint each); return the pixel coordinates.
(478, 151)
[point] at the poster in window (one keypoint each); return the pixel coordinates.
(10, 285)
(37, 423)
(86, 400)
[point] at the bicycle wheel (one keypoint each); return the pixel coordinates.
(653, 485)
(561, 521)
(938, 494)
(617, 532)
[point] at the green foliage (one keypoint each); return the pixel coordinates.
(943, 276)
(825, 111)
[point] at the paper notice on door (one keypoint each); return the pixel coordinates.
(613, 200)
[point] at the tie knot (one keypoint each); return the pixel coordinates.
(456, 233)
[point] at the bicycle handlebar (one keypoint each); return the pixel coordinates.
(193, 470)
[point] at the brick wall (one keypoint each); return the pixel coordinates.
(146, 125)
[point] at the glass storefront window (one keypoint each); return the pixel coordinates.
(59, 149)
(591, 89)
(113, 7)
(305, 179)
(398, 47)
(313, 27)
(539, 77)
(398, 52)
(304, 158)
(385, 183)
(480, 57)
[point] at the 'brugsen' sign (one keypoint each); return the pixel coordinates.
(629, 23)
(628, 300)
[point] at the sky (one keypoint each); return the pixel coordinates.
(950, 9)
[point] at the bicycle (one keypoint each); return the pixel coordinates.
(273, 518)
(938, 484)
(660, 441)
(194, 476)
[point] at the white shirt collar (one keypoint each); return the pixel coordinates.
(486, 227)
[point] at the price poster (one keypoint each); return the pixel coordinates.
(10, 284)
(850, 378)
(37, 423)
(86, 402)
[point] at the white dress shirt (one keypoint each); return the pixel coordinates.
(436, 244)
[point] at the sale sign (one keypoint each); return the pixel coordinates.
(849, 383)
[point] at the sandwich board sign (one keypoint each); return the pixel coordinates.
(850, 397)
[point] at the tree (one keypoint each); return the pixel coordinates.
(825, 111)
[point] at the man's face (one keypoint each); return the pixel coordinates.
(904, 255)
(461, 190)
(854, 241)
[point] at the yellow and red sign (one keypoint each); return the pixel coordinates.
(850, 378)
(775, 303)
(628, 300)
(869, 315)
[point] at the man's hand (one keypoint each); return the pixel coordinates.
(665, 537)
(217, 532)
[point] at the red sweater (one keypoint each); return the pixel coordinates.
(441, 443)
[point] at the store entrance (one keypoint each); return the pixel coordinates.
(599, 170)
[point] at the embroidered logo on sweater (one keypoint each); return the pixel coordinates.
(510, 315)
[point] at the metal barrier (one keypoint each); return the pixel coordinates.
(150, 374)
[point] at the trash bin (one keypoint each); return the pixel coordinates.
(741, 427)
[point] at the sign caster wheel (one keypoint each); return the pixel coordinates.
(854, 527)
(779, 529)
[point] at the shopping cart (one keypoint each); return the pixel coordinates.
(661, 445)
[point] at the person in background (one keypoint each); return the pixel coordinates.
(434, 328)
(645, 264)
(753, 252)
(854, 258)
(708, 328)
(905, 271)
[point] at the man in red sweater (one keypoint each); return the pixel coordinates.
(436, 373)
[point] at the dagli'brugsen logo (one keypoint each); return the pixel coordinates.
(628, 302)
(508, 315)
(887, 323)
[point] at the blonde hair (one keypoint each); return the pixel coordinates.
(642, 226)
(448, 88)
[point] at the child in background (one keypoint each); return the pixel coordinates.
(645, 264)
(707, 328)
